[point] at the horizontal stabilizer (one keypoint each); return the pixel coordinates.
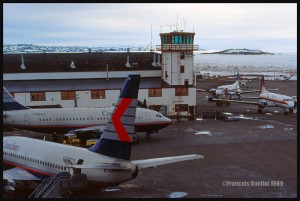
(148, 163)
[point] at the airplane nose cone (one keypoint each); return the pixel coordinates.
(168, 120)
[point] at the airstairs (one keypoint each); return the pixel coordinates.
(62, 182)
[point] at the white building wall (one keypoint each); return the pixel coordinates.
(84, 100)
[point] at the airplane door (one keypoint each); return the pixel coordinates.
(147, 117)
(26, 119)
(25, 159)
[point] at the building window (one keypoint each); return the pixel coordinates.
(68, 95)
(154, 92)
(181, 91)
(37, 96)
(155, 107)
(181, 55)
(181, 69)
(166, 74)
(98, 94)
(181, 107)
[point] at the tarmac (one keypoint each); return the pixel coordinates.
(252, 157)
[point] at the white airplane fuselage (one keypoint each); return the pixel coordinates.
(232, 89)
(44, 159)
(63, 120)
(277, 100)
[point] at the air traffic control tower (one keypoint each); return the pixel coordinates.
(177, 62)
(177, 57)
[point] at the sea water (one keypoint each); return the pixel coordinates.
(220, 64)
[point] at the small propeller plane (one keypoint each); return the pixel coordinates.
(227, 90)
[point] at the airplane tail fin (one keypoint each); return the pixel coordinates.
(238, 77)
(116, 139)
(237, 82)
(9, 102)
(262, 86)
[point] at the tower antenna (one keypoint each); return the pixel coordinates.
(184, 21)
(170, 25)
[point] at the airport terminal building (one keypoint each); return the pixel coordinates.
(94, 79)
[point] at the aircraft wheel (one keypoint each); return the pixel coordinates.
(148, 136)
(135, 139)
(227, 104)
(259, 110)
(291, 110)
(210, 99)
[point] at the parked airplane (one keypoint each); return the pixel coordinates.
(228, 90)
(268, 99)
(105, 164)
(63, 120)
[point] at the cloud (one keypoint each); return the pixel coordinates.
(130, 23)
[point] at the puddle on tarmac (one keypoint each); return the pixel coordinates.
(177, 194)
(199, 119)
(204, 133)
(288, 129)
(265, 126)
(111, 189)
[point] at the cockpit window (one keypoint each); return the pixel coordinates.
(159, 115)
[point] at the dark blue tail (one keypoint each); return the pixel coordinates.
(9, 102)
(116, 139)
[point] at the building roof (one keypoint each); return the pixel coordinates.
(81, 62)
(77, 85)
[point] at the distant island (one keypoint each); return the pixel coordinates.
(239, 51)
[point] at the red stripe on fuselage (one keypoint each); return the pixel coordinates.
(116, 119)
(274, 100)
(28, 169)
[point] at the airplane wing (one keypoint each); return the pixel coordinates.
(147, 163)
(102, 166)
(246, 92)
(19, 174)
(203, 90)
(236, 101)
(257, 90)
(87, 129)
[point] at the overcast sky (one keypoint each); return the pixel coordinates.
(218, 26)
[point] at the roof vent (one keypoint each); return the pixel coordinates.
(154, 64)
(158, 61)
(127, 63)
(72, 65)
(22, 63)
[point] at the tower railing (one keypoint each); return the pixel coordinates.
(177, 47)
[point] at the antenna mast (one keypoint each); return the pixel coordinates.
(184, 21)
(170, 25)
(151, 40)
(177, 23)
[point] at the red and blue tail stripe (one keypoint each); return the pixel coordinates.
(9, 103)
(116, 140)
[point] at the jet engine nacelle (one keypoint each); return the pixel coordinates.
(263, 104)
(9, 186)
